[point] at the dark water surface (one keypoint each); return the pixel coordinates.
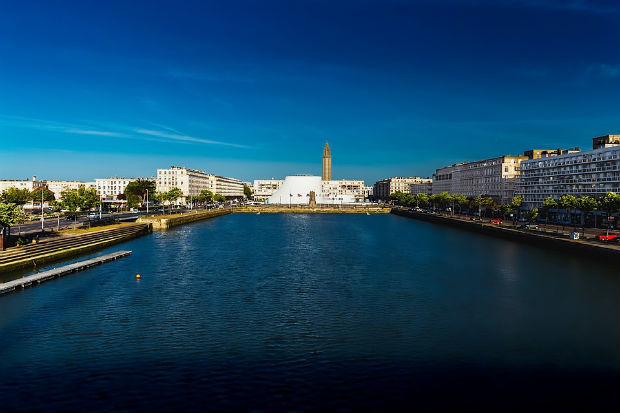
(306, 312)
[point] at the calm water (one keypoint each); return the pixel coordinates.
(298, 312)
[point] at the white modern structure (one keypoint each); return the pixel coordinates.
(295, 190)
(593, 173)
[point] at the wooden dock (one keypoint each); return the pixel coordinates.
(36, 279)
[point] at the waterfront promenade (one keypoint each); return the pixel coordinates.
(548, 239)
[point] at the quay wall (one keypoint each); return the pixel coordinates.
(33, 259)
(546, 240)
(163, 223)
(264, 209)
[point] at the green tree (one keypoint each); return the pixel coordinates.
(476, 202)
(204, 196)
(72, 201)
(219, 198)
(48, 195)
(136, 191)
(610, 203)
(506, 210)
(586, 204)
(569, 202)
(247, 191)
(532, 214)
(19, 217)
(7, 213)
(90, 198)
(398, 197)
(460, 200)
(516, 203)
(547, 205)
(17, 196)
(421, 199)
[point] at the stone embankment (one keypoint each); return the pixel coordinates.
(66, 246)
(268, 209)
(543, 239)
(167, 221)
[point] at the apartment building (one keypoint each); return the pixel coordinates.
(594, 173)
(494, 177)
(337, 187)
(425, 187)
(264, 188)
(229, 187)
(386, 187)
(110, 188)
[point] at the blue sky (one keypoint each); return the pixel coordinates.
(253, 89)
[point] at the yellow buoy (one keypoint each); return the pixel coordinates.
(138, 276)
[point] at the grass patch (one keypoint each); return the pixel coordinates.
(71, 231)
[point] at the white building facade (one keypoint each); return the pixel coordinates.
(264, 188)
(229, 187)
(343, 187)
(593, 173)
(111, 188)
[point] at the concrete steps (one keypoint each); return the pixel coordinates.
(36, 254)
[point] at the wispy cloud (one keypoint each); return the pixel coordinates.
(185, 138)
(163, 133)
(94, 132)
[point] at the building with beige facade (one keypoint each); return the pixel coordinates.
(192, 181)
(264, 188)
(386, 187)
(189, 181)
(494, 177)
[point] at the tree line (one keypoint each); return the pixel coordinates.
(609, 203)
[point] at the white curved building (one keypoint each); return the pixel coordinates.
(295, 190)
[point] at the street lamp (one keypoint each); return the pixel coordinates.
(42, 218)
(147, 201)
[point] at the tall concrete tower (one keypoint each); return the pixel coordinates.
(327, 163)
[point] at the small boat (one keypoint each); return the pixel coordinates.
(258, 213)
(367, 213)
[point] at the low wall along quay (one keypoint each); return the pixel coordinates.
(298, 209)
(63, 247)
(593, 249)
(168, 221)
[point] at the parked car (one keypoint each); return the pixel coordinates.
(93, 215)
(475, 218)
(607, 238)
(71, 216)
(497, 221)
(529, 226)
